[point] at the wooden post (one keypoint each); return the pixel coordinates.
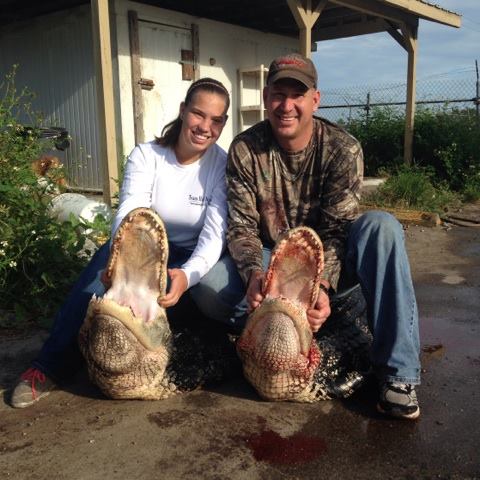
(410, 35)
(196, 51)
(136, 76)
(104, 97)
(305, 18)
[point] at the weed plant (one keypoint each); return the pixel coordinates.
(39, 257)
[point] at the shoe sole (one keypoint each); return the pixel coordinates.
(30, 402)
(407, 416)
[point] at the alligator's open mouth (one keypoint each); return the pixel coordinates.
(276, 347)
(137, 271)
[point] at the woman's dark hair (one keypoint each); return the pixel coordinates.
(171, 131)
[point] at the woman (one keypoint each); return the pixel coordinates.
(180, 175)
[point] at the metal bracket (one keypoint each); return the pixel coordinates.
(146, 83)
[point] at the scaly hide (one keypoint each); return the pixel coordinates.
(281, 357)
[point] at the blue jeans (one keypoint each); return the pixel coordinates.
(377, 260)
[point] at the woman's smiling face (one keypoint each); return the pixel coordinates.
(203, 120)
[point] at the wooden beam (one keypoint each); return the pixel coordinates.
(374, 25)
(104, 97)
(410, 34)
(305, 18)
(306, 42)
(427, 12)
(136, 76)
(392, 29)
(196, 51)
(378, 9)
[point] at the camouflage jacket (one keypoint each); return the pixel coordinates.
(271, 191)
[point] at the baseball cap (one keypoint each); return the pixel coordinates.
(294, 66)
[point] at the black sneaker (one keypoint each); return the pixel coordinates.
(399, 400)
(33, 386)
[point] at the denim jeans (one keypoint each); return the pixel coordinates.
(375, 258)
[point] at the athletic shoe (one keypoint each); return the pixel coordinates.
(399, 400)
(32, 386)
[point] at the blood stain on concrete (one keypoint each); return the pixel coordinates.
(268, 446)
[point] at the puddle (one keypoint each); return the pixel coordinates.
(167, 419)
(453, 279)
(440, 335)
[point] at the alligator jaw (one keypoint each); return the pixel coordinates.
(295, 267)
(273, 308)
(137, 272)
(153, 336)
(278, 354)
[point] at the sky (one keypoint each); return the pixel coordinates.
(443, 52)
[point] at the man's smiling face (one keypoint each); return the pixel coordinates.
(290, 106)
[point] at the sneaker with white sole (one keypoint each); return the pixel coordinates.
(32, 386)
(399, 400)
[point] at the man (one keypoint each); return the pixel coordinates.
(295, 169)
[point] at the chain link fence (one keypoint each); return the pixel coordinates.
(460, 95)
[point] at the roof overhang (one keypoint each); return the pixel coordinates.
(339, 18)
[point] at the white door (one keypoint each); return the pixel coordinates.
(160, 54)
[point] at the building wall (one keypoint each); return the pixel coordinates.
(54, 57)
(230, 48)
(54, 53)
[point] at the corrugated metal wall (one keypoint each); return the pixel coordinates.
(55, 60)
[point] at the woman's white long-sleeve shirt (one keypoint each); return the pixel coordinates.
(190, 199)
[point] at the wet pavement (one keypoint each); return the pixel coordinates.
(229, 433)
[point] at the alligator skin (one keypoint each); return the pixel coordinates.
(131, 349)
(281, 357)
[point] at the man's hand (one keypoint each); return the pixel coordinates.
(178, 286)
(254, 289)
(320, 312)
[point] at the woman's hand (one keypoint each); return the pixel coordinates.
(320, 312)
(254, 290)
(178, 286)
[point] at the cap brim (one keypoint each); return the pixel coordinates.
(293, 75)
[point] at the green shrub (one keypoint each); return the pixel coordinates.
(39, 257)
(471, 189)
(446, 141)
(411, 187)
(381, 136)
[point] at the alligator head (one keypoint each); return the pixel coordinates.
(126, 338)
(277, 349)
(281, 357)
